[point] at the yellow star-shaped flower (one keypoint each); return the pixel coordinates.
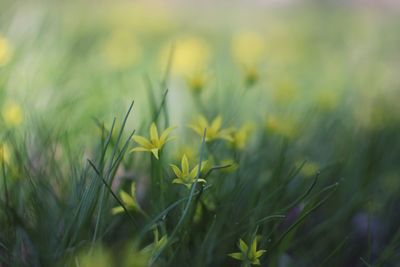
(155, 143)
(251, 255)
(214, 130)
(129, 201)
(184, 175)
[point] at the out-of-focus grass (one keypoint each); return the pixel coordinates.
(284, 94)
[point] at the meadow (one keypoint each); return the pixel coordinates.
(165, 135)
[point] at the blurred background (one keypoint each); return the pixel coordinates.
(56, 56)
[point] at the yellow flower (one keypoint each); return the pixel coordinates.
(251, 76)
(309, 169)
(157, 244)
(156, 142)
(121, 49)
(327, 100)
(129, 201)
(196, 82)
(285, 91)
(282, 126)
(185, 176)
(241, 136)
(251, 255)
(248, 47)
(190, 55)
(5, 154)
(214, 130)
(12, 114)
(98, 257)
(5, 51)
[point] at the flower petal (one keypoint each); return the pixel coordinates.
(165, 133)
(260, 253)
(243, 246)
(253, 248)
(127, 199)
(139, 149)
(177, 181)
(176, 170)
(185, 165)
(193, 172)
(202, 122)
(216, 124)
(117, 210)
(153, 132)
(155, 152)
(142, 141)
(133, 190)
(236, 256)
(198, 130)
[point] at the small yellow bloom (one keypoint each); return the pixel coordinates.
(196, 82)
(285, 91)
(327, 100)
(240, 136)
(156, 142)
(5, 154)
(248, 47)
(121, 50)
(251, 255)
(185, 176)
(251, 76)
(12, 114)
(157, 244)
(98, 257)
(129, 201)
(214, 130)
(309, 169)
(5, 51)
(286, 127)
(191, 54)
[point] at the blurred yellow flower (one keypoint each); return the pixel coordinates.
(248, 47)
(327, 100)
(184, 175)
(12, 114)
(5, 154)
(121, 49)
(190, 55)
(155, 143)
(282, 126)
(129, 201)
(309, 169)
(247, 254)
(285, 91)
(214, 130)
(5, 51)
(158, 243)
(196, 82)
(241, 136)
(98, 257)
(251, 76)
